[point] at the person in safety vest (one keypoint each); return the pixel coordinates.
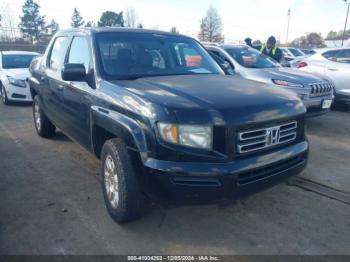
(271, 50)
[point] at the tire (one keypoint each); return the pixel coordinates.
(42, 124)
(4, 98)
(127, 202)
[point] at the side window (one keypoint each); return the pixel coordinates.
(58, 52)
(331, 55)
(79, 52)
(344, 56)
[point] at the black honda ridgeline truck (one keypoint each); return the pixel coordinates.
(162, 117)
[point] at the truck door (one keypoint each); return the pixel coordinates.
(77, 95)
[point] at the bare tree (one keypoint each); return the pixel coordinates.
(130, 18)
(7, 23)
(211, 27)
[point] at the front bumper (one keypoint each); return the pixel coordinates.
(314, 106)
(343, 96)
(205, 181)
(18, 94)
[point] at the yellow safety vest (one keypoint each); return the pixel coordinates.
(273, 49)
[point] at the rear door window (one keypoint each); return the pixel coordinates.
(331, 55)
(344, 56)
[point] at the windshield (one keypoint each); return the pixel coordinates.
(16, 61)
(296, 52)
(251, 58)
(134, 55)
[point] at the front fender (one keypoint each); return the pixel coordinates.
(121, 126)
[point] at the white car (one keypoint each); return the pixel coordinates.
(333, 63)
(13, 74)
(292, 53)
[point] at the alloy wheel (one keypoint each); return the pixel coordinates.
(111, 181)
(37, 116)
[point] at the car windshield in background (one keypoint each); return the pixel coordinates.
(131, 56)
(251, 58)
(296, 52)
(16, 61)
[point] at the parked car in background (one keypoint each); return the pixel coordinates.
(291, 53)
(308, 51)
(13, 74)
(164, 118)
(315, 91)
(333, 63)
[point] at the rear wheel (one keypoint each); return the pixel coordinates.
(124, 200)
(4, 98)
(43, 125)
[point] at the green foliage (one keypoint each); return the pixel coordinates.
(333, 34)
(76, 19)
(90, 24)
(32, 24)
(110, 18)
(52, 28)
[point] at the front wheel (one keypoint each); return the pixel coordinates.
(4, 98)
(43, 125)
(124, 200)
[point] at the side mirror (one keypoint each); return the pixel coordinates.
(74, 72)
(227, 68)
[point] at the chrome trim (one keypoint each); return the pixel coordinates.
(275, 135)
(320, 89)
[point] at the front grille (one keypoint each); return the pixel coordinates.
(258, 139)
(321, 89)
(14, 95)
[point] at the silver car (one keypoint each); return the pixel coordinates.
(333, 63)
(315, 91)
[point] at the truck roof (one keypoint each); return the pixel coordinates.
(118, 30)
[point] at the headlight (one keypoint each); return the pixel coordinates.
(16, 82)
(187, 135)
(286, 83)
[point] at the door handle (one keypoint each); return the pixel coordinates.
(60, 87)
(333, 69)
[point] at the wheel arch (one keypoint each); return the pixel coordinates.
(107, 124)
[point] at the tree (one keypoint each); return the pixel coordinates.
(314, 39)
(8, 30)
(32, 24)
(310, 40)
(130, 17)
(76, 19)
(110, 18)
(174, 30)
(90, 24)
(52, 28)
(211, 27)
(332, 34)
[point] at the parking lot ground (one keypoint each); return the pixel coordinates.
(51, 202)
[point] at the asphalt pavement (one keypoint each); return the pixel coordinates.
(51, 202)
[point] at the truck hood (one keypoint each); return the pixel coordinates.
(18, 73)
(288, 74)
(225, 99)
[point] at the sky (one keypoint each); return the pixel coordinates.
(257, 19)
